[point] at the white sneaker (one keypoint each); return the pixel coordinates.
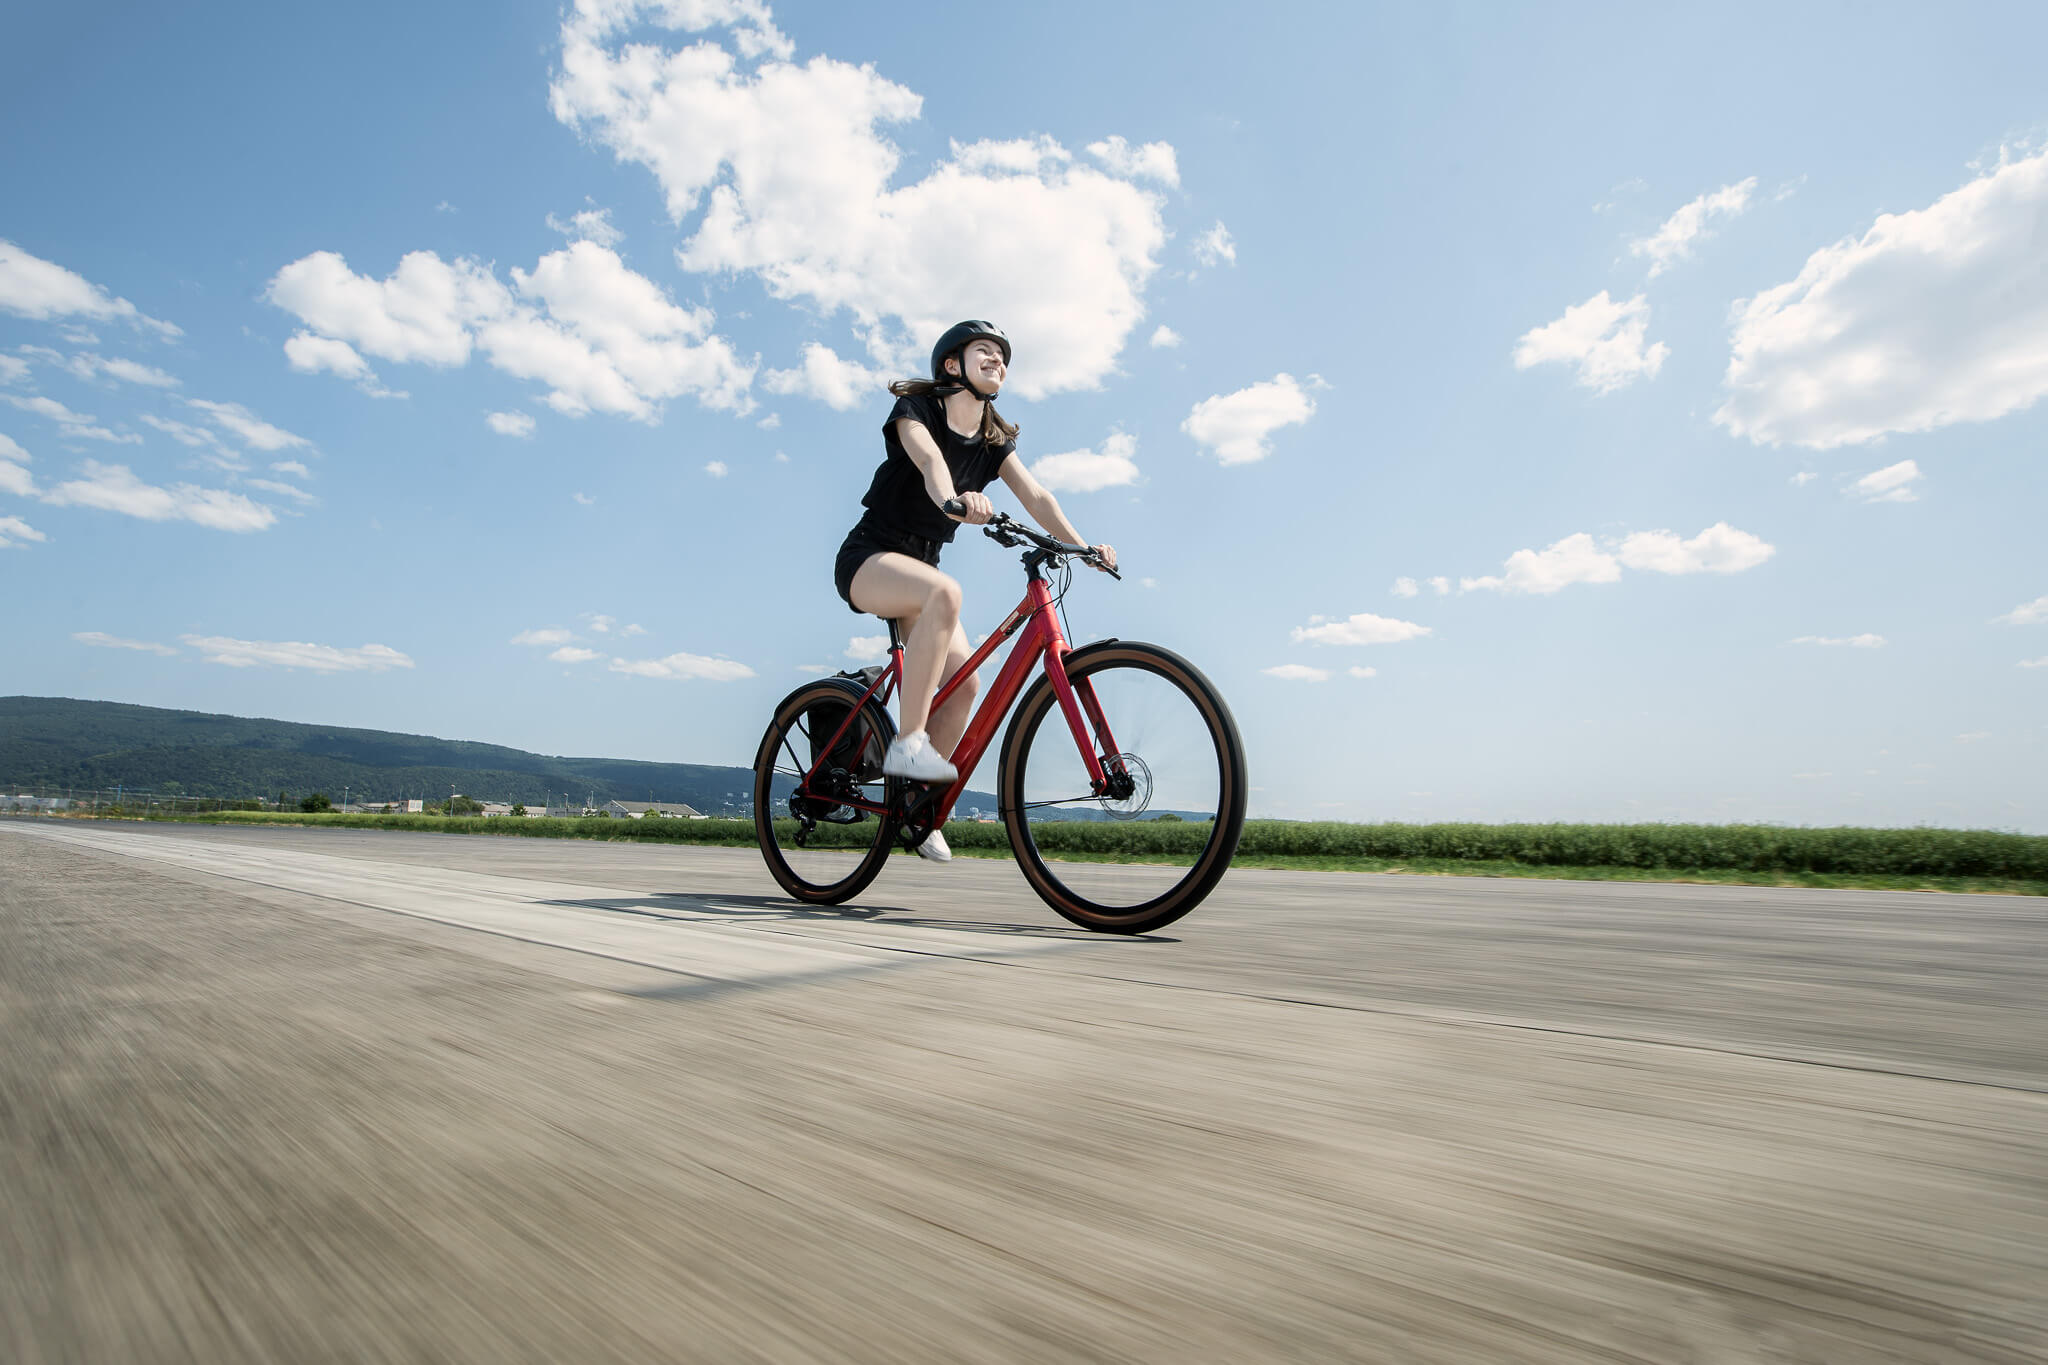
(935, 848)
(913, 756)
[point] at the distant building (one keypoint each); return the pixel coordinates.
(413, 807)
(662, 810)
(497, 808)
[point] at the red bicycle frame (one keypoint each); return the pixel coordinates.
(1041, 638)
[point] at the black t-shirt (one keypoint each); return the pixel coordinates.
(898, 495)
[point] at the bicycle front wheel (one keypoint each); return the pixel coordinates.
(1148, 851)
(819, 845)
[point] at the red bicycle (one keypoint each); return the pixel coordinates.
(1140, 732)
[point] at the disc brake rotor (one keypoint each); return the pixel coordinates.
(1131, 806)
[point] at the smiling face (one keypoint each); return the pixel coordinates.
(984, 365)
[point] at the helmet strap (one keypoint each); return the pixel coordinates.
(967, 383)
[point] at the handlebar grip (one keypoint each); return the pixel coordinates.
(953, 507)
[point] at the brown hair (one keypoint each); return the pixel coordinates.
(993, 428)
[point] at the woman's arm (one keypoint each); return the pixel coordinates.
(1044, 508)
(924, 452)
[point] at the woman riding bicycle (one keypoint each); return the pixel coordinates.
(944, 441)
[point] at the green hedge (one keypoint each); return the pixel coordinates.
(1739, 848)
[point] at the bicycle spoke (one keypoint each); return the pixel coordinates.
(837, 848)
(1151, 848)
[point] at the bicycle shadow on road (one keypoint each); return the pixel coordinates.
(697, 907)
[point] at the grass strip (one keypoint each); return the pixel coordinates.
(1917, 859)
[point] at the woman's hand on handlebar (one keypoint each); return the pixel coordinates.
(1105, 558)
(973, 508)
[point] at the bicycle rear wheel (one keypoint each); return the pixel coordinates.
(819, 848)
(1148, 852)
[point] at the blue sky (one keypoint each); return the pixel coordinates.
(1610, 416)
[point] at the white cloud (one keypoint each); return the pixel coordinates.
(254, 431)
(1297, 673)
(1604, 339)
(1440, 585)
(573, 654)
(599, 623)
(13, 369)
(1893, 483)
(13, 530)
(102, 640)
(1361, 629)
(1972, 736)
(1932, 317)
(1865, 641)
(13, 478)
(547, 635)
(754, 28)
(285, 490)
(1090, 471)
(114, 488)
(1404, 587)
(199, 438)
(1235, 426)
(1612, 199)
(218, 649)
(1357, 672)
(781, 457)
(1575, 559)
(1164, 337)
(310, 354)
(1216, 246)
(1803, 478)
(87, 365)
(421, 312)
(790, 178)
(36, 288)
(2032, 613)
(716, 469)
(590, 225)
(601, 337)
(681, 667)
(2041, 662)
(1153, 161)
(868, 649)
(770, 422)
(632, 629)
(1718, 549)
(1674, 241)
(510, 423)
(584, 499)
(77, 426)
(842, 385)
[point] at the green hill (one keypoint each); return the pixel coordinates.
(56, 742)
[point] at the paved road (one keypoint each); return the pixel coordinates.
(339, 1095)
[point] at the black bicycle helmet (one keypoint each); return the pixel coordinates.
(955, 341)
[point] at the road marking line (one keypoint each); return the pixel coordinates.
(675, 934)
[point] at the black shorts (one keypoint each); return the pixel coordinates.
(874, 537)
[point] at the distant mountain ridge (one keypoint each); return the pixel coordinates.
(62, 742)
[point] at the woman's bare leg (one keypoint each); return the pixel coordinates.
(906, 589)
(950, 721)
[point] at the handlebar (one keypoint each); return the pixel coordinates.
(1006, 530)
